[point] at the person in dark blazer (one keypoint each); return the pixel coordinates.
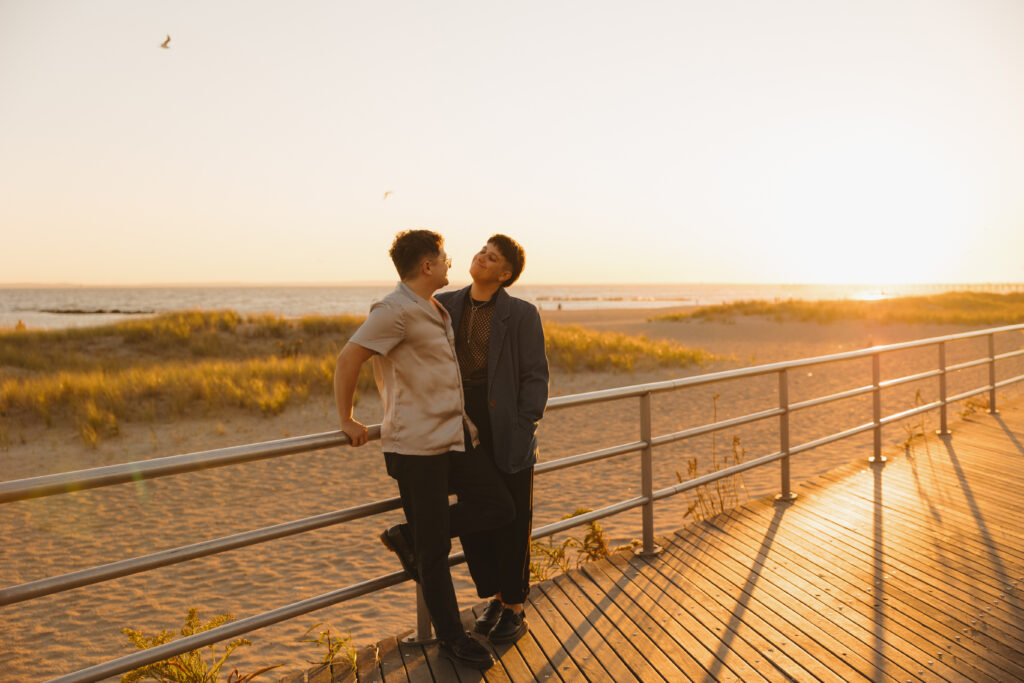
(499, 342)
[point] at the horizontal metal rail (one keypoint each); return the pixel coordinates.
(896, 417)
(838, 436)
(910, 378)
(716, 426)
(829, 399)
(164, 558)
(968, 394)
(968, 364)
(1011, 380)
(1009, 354)
(592, 456)
(715, 476)
(66, 482)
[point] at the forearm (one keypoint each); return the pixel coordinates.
(346, 376)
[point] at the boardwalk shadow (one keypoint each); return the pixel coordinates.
(878, 566)
(1009, 433)
(725, 644)
(988, 540)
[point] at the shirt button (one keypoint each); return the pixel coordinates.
(493, 404)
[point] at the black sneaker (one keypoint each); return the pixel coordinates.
(486, 621)
(464, 650)
(510, 627)
(396, 540)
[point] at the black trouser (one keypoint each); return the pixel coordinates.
(499, 558)
(483, 502)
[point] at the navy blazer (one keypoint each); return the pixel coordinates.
(517, 376)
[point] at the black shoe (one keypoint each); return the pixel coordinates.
(464, 650)
(510, 627)
(486, 621)
(397, 541)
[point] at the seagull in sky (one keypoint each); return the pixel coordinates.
(386, 195)
(167, 43)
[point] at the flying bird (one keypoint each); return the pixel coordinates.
(386, 195)
(167, 43)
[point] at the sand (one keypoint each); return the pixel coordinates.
(45, 537)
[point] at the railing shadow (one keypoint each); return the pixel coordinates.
(746, 592)
(878, 567)
(1009, 433)
(972, 503)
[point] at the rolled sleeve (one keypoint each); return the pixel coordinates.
(383, 329)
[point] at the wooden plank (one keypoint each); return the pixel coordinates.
(579, 649)
(812, 630)
(634, 619)
(721, 663)
(558, 658)
(955, 547)
(415, 659)
(845, 626)
(772, 643)
(898, 574)
(392, 665)
(798, 562)
(622, 629)
(733, 634)
(509, 664)
(578, 608)
(836, 580)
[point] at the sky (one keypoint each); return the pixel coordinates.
(793, 141)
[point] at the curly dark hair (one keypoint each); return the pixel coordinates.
(513, 253)
(411, 247)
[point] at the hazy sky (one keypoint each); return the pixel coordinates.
(786, 141)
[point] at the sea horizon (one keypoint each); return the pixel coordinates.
(58, 306)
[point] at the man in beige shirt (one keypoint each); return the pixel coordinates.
(427, 439)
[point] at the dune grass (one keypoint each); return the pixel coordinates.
(951, 308)
(205, 363)
(574, 348)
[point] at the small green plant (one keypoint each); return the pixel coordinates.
(975, 404)
(332, 645)
(189, 667)
(726, 492)
(915, 430)
(550, 558)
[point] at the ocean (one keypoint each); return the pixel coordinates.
(44, 307)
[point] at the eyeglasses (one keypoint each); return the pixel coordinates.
(448, 262)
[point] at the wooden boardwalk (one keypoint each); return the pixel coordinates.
(912, 570)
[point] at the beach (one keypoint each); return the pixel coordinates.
(45, 537)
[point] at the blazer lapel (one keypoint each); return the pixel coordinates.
(456, 310)
(502, 310)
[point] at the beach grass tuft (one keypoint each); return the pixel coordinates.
(204, 363)
(950, 308)
(574, 348)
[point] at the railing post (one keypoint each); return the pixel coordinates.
(787, 494)
(876, 407)
(647, 477)
(992, 375)
(943, 429)
(424, 632)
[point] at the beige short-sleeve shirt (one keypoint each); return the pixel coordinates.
(417, 373)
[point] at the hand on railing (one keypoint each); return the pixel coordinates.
(355, 430)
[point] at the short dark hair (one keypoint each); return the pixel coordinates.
(513, 253)
(411, 247)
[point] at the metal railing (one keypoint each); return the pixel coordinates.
(54, 484)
